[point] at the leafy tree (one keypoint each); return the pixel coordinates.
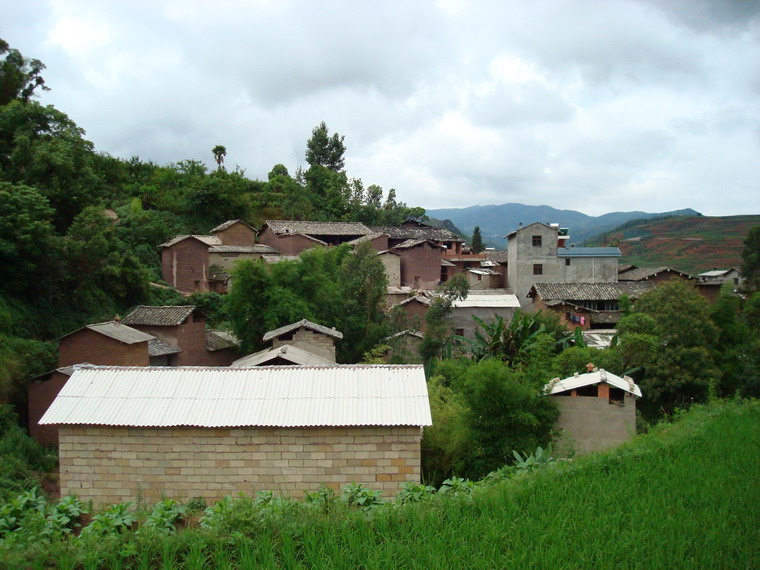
(477, 241)
(681, 369)
(436, 331)
(324, 150)
(219, 153)
(751, 260)
(19, 76)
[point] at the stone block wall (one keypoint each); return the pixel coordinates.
(115, 464)
(316, 343)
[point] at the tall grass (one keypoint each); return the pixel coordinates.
(683, 496)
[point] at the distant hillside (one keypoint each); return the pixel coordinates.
(690, 243)
(497, 221)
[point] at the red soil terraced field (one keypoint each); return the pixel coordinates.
(692, 244)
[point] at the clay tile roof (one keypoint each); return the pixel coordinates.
(590, 291)
(228, 224)
(418, 298)
(219, 340)
(368, 237)
(305, 324)
(318, 228)
(642, 273)
(414, 243)
(257, 248)
(208, 240)
(120, 331)
(165, 316)
(420, 233)
(157, 347)
(496, 255)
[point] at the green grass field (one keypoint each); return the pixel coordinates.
(685, 495)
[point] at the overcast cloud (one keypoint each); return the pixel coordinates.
(596, 106)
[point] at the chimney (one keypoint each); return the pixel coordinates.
(590, 367)
(117, 319)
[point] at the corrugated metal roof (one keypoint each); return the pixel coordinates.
(303, 323)
(579, 380)
(159, 316)
(293, 354)
(275, 396)
(588, 252)
(590, 291)
(490, 301)
(121, 332)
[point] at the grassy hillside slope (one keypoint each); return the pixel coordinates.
(683, 496)
(693, 244)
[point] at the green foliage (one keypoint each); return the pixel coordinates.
(357, 495)
(19, 76)
(414, 493)
(21, 458)
(539, 458)
(324, 150)
(166, 516)
(477, 241)
(751, 260)
(115, 520)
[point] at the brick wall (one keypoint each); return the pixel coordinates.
(287, 244)
(41, 395)
(115, 464)
(316, 343)
(420, 266)
(86, 345)
(237, 234)
(185, 265)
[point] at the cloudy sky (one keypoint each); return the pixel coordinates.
(596, 106)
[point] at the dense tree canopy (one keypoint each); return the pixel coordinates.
(751, 260)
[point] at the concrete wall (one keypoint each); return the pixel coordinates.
(588, 269)
(114, 464)
(86, 345)
(420, 266)
(185, 265)
(237, 234)
(461, 317)
(392, 264)
(316, 343)
(523, 255)
(591, 424)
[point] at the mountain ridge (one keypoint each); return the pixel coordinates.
(496, 221)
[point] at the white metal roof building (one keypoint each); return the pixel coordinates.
(626, 384)
(148, 432)
(342, 395)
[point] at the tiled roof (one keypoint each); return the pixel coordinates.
(219, 340)
(415, 242)
(287, 352)
(119, 331)
(446, 263)
(435, 234)
(483, 271)
(407, 332)
(305, 324)
(368, 237)
(416, 298)
(227, 224)
(281, 396)
(642, 273)
(157, 347)
(588, 252)
(276, 258)
(496, 255)
(208, 240)
(258, 248)
(590, 291)
(159, 316)
(318, 228)
(557, 386)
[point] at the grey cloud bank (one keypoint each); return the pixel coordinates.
(588, 105)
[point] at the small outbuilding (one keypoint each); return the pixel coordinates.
(596, 410)
(143, 432)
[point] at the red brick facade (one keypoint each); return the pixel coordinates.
(185, 264)
(238, 233)
(86, 345)
(420, 266)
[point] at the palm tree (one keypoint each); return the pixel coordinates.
(219, 153)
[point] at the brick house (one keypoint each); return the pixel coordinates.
(596, 410)
(185, 262)
(291, 237)
(420, 261)
(314, 338)
(213, 432)
(414, 309)
(235, 232)
(414, 230)
(587, 305)
(41, 391)
(185, 328)
(654, 274)
(486, 305)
